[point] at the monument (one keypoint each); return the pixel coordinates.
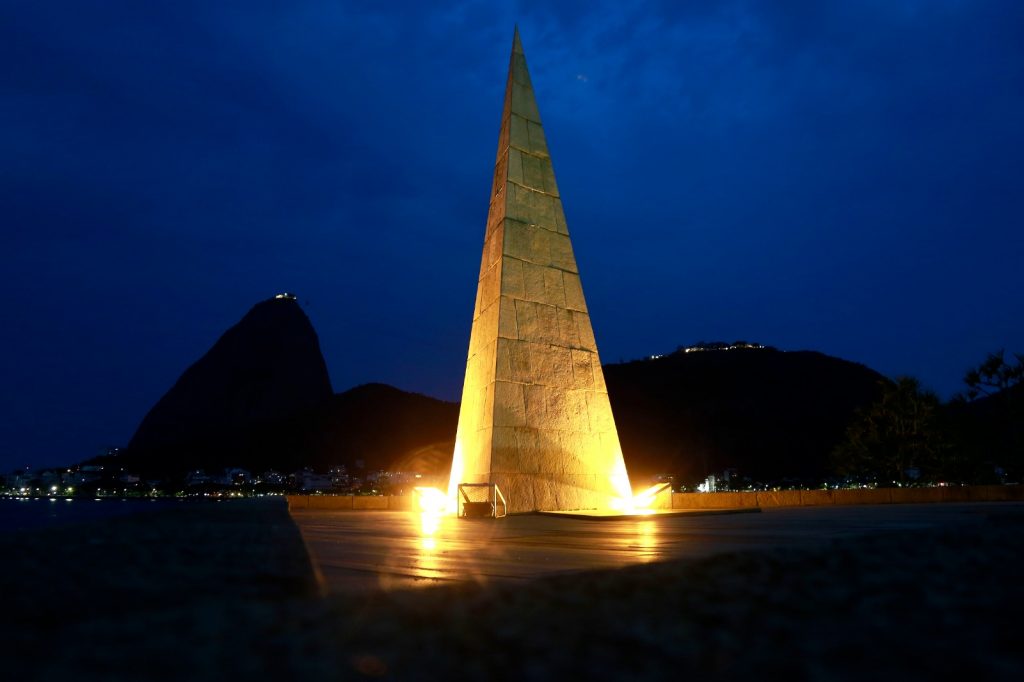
(535, 417)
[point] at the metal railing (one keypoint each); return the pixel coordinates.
(486, 508)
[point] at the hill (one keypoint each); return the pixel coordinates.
(383, 428)
(261, 398)
(367, 428)
(768, 414)
(264, 369)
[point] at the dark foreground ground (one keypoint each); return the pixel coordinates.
(226, 591)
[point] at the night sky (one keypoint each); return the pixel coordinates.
(836, 176)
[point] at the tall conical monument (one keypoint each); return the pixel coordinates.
(535, 417)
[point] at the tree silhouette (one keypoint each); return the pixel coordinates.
(995, 393)
(898, 432)
(994, 375)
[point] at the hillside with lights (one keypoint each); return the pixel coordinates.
(746, 409)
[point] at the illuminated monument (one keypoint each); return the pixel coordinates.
(535, 418)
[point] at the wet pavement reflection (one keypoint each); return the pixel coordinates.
(361, 550)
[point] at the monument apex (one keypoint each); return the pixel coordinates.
(535, 417)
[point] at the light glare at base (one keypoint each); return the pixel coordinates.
(431, 500)
(641, 503)
(645, 499)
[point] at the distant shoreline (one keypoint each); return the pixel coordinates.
(33, 514)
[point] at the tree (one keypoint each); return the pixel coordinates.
(990, 423)
(898, 432)
(994, 375)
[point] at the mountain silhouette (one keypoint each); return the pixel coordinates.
(376, 426)
(768, 414)
(261, 398)
(265, 369)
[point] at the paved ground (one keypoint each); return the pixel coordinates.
(226, 591)
(165, 594)
(359, 551)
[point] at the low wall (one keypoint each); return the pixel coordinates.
(804, 498)
(352, 502)
(730, 500)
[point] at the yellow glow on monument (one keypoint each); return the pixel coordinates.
(452, 500)
(535, 421)
(623, 500)
(620, 480)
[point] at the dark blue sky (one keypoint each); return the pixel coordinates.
(845, 177)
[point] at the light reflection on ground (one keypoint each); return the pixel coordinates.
(415, 549)
(646, 540)
(356, 551)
